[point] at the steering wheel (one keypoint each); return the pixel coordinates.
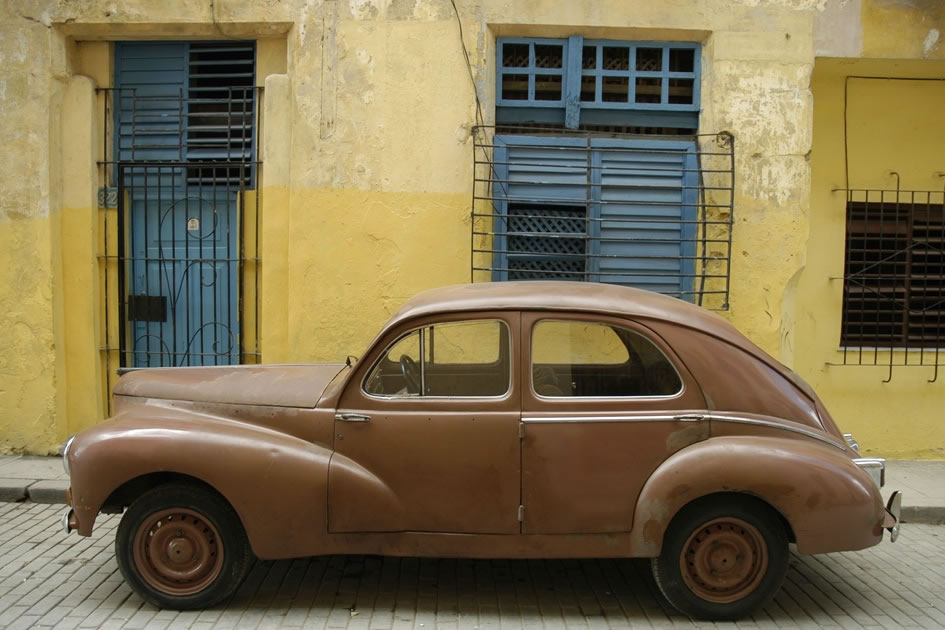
(411, 372)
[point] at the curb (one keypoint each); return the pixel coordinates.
(924, 514)
(46, 491)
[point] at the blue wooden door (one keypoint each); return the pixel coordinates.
(180, 227)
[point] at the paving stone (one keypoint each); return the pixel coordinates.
(889, 586)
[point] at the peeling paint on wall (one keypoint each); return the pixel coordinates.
(931, 41)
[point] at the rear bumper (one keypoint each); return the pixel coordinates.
(875, 467)
(893, 512)
(69, 521)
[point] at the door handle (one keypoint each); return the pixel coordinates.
(689, 417)
(352, 417)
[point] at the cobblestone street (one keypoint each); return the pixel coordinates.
(48, 579)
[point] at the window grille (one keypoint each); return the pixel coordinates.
(894, 278)
(649, 213)
(578, 83)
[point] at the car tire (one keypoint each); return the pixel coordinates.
(182, 547)
(722, 558)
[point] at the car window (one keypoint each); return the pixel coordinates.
(467, 358)
(584, 359)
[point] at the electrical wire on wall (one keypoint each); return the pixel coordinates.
(462, 42)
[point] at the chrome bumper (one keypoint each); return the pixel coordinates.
(69, 521)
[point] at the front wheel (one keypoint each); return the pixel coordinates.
(182, 547)
(722, 558)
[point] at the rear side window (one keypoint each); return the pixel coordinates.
(589, 359)
(468, 358)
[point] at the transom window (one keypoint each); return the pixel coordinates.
(578, 83)
(583, 359)
(469, 358)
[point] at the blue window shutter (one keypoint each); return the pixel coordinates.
(646, 204)
(541, 208)
(151, 124)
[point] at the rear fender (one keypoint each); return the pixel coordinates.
(829, 503)
(276, 483)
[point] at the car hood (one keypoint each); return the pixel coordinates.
(278, 385)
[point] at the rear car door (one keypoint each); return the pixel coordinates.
(605, 402)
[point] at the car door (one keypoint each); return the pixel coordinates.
(427, 431)
(605, 401)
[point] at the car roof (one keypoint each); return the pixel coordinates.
(591, 297)
(550, 295)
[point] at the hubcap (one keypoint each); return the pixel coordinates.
(178, 551)
(724, 560)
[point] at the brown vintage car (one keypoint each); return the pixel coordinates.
(514, 420)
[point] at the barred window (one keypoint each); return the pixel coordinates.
(894, 279)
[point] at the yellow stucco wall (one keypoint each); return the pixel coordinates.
(891, 126)
(365, 187)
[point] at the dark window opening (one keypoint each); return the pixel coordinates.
(894, 272)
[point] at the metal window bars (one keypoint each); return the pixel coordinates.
(894, 279)
(617, 208)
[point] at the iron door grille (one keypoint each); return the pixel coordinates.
(180, 217)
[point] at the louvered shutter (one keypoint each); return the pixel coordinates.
(152, 82)
(541, 209)
(646, 195)
(613, 211)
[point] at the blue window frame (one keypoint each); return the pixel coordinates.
(579, 207)
(574, 81)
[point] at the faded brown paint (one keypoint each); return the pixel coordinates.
(294, 386)
(584, 476)
(446, 476)
(830, 504)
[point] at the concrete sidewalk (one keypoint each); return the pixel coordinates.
(43, 480)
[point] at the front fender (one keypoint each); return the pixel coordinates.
(830, 504)
(277, 483)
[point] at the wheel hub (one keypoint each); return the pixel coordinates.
(724, 560)
(178, 551)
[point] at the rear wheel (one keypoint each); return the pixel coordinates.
(722, 558)
(182, 547)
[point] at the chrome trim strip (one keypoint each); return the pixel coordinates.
(775, 424)
(575, 419)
